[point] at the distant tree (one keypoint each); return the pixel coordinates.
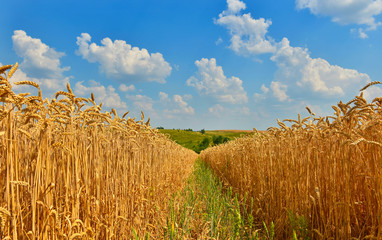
(160, 127)
(219, 140)
(203, 131)
(188, 130)
(205, 143)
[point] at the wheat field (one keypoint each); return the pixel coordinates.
(318, 176)
(70, 171)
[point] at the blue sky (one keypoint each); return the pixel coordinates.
(199, 64)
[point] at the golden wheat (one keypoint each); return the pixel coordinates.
(328, 171)
(370, 84)
(68, 173)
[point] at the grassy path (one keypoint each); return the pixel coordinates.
(204, 210)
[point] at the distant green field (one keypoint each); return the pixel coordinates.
(193, 140)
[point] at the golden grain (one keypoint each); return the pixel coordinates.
(12, 71)
(328, 171)
(4, 68)
(370, 84)
(28, 83)
(68, 173)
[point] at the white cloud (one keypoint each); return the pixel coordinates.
(216, 109)
(299, 74)
(210, 80)
(362, 33)
(39, 60)
(296, 67)
(183, 106)
(264, 88)
(163, 97)
(361, 12)
(107, 95)
(41, 64)
(141, 102)
(219, 41)
(122, 61)
(125, 88)
(234, 6)
(261, 96)
(187, 97)
(245, 111)
(248, 35)
(372, 92)
(19, 75)
(279, 91)
(176, 107)
(49, 86)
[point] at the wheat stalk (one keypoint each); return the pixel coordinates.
(370, 84)
(84, 167)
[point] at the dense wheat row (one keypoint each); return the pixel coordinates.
(69, 171)
(326, 170)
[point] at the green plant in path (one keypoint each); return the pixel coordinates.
(203, 145)
(204, 210)
(299, 225)
(270, 233)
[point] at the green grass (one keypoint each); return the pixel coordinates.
(187, 139)
(204, 210)
(191, 140)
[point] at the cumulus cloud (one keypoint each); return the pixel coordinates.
(298, 73)
(261, 96)
(48, 85)
(39, 60)
(361, 33)
(248, 35)
(372, 92)
(279, 91)
(314, 74)
(19, 75)
(264, 89)
(107, 95)
(245, 111)
(141, 102)
(163, 97)
(175, 106)
(210, 80)
(125, 88)
(217, 109)
(219, 41)
(234, 6)
(40, 64)
(120, 60)
(182, 106)
(187, 97)
(361, 12)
